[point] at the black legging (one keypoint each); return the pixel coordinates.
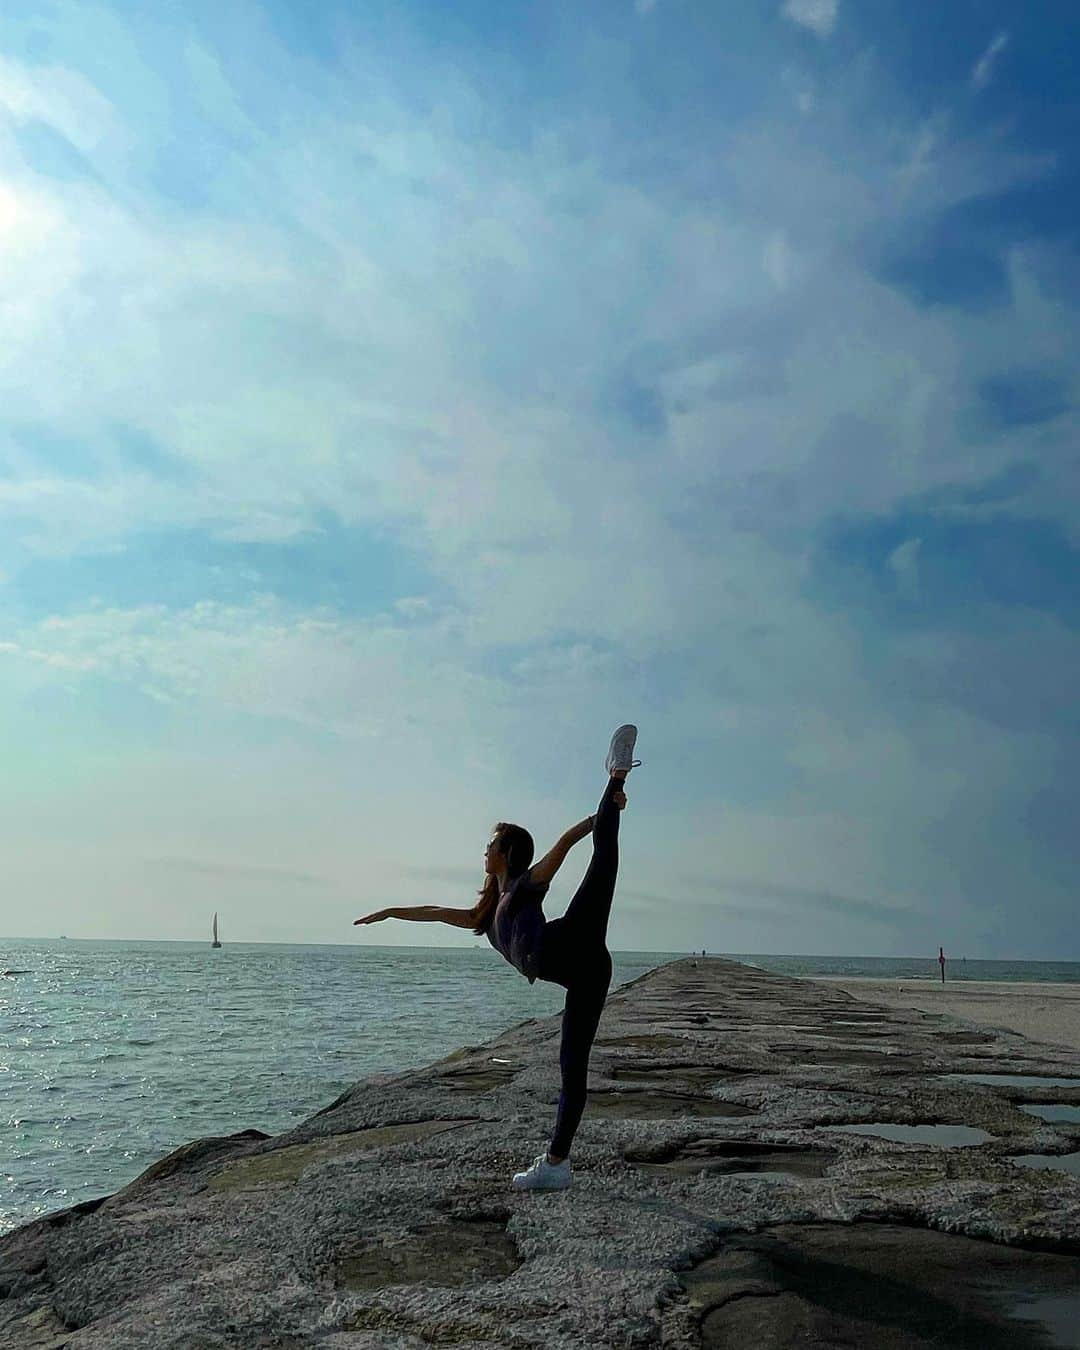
(575, 955)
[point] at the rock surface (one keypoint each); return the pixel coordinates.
(712, 1203)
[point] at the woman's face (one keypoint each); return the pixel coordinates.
(491, 855)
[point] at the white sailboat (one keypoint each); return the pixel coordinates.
(215, 942)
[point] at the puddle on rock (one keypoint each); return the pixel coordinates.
(871, 1020)
(634, 1105)
(1051, 1111)
(880, 1060)
(1012, 1080)
(673, 1076)
(1058, 1316)
(449, 1254)
(944, 1136)
(762, 1174)
(728, 1157)
(1049, 1162)
(851, 1031)
(883, 1285)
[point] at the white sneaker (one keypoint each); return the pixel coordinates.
(544, 1176)
(620, 753)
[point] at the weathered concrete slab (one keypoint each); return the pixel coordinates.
(713, 1202)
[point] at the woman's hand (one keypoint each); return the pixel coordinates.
(619, 798)
(373, 918)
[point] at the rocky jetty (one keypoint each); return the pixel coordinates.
(718, 1198)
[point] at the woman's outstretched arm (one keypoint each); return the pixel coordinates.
(458, 918)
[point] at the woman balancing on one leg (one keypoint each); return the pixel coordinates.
(571, 951)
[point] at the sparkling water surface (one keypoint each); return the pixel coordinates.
(114, 1053)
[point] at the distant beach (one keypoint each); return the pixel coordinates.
(1042, 1012)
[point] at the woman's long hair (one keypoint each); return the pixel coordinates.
(515, 843)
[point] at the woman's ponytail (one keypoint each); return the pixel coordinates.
(484, 909)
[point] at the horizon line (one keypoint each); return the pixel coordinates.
(629, 951)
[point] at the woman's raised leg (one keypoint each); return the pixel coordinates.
(584, 925)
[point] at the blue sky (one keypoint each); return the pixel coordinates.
(396, 398)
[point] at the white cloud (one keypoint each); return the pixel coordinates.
(921, 163)
(413, 606)
(983, 71)
(645, 6)
(903, 562)
(817, 15)
(422, 404)
(61, 98)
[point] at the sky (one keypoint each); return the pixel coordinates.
(396, 398)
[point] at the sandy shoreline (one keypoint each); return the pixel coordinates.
(1049, 1013)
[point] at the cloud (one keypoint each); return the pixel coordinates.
(652, 904)
(456, 876)
(792, 898)
(645, 6)
(903, 562)
(62, 99)
(238, 871)
(350, 677)
(983, 70)
(817, 15)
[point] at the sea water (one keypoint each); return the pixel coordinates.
(114, 1053)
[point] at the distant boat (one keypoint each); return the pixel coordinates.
(215, 942)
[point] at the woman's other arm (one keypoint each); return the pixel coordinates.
(553, 859)
(549, 864)
(457, 918)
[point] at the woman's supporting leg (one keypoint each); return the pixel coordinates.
(586, 919)
(585, 996)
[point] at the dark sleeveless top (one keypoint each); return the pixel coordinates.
(517, 926)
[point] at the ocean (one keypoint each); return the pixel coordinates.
(114, 1053)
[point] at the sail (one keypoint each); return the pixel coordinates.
(215, 926)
